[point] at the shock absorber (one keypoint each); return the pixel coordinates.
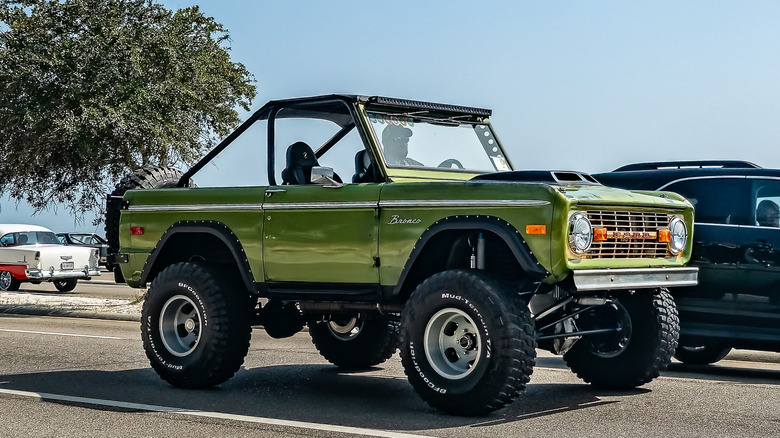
(478, 252)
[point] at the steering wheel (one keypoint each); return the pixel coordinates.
(449, 162)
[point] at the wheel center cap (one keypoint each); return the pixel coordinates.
(466, 341)
(189, 325)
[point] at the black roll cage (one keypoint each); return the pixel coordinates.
(298, 108)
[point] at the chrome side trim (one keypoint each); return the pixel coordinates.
(200, 207)
(464, 203)
(634, 278)
(317, 205)
(339, 205)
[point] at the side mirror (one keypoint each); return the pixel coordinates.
(324, 176)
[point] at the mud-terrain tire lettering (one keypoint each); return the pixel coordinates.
(467, 342)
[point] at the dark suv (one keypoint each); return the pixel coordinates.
(736, 247)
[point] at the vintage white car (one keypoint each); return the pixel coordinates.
(33, 253)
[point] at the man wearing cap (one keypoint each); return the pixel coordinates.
(395, 140)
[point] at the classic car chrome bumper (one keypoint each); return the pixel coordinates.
(37, 274)
(634, 278)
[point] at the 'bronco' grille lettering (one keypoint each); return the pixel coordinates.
(630, 234)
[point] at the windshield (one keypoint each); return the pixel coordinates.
(430, 143)
(29, 238)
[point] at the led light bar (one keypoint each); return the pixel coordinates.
(404, 103)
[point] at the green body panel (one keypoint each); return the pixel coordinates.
(310, 242)
(238, 208)
(397, 240)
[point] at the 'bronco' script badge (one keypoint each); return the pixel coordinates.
(398, 220)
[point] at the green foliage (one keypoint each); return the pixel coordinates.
(90, 89)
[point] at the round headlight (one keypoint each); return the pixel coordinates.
(679, 235)
(580, 233)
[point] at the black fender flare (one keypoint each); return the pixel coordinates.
(214, 228)
(503, 229)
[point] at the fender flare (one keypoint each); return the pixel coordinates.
(503, 229)
(214, 228)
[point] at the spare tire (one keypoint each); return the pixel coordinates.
(144, 178)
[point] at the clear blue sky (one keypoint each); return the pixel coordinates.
(573, 85)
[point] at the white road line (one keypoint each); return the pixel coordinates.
(61, 334)
(219, 415)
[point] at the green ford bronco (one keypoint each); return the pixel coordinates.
(385, 223)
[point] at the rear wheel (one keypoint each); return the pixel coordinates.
(701, 353)
(195, 327)
(647, 331)
(66, 285)
(8, 282)
(355, 341)
(467, 343)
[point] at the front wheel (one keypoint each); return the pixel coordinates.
(355, 341)
(641, 332)
(701, 353)
(467, 343)
(66, 285)
(8, 282)
(195, 327)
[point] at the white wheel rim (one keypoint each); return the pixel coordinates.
(452, 344)
(180, 325)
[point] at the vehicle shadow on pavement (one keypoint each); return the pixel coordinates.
(308, 393)
(724, 373)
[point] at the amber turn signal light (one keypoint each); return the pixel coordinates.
(599, 234)
(536, 229)
(664, 236)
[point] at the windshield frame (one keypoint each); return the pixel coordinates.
(427, 116)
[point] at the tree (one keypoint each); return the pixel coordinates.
(91, 89)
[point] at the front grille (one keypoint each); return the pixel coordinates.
(639, 225)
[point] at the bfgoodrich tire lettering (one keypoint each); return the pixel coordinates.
(654, 331)
(195, 329)
(467, 344)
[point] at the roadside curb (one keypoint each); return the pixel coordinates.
(50, 311)
(43, 304)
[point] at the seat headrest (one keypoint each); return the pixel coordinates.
(301, 154)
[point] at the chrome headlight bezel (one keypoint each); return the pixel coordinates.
(580, 233)
(678, 235)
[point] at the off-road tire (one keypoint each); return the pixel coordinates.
(8, 282)
(209, 346)
(701, 353)
(66, 285)
(467, 308)
(655, 329)
(144, 178)
(373, 340)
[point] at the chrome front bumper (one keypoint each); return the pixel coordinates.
(37, 274)
(634, 278)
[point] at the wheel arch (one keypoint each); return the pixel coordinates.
(444, 245)
(210, 241)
